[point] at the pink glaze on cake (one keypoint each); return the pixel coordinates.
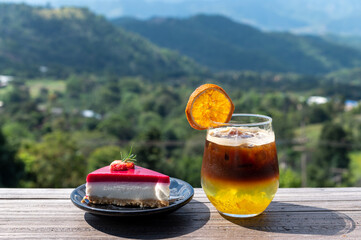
(133, 187)
(138, 174)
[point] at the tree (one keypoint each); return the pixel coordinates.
(10, 168)
(54, 162)
(318, 114)
(289, 178)
(119, 126)
(189, 169)
(20, 106)
(15, 132)
(103, 156)
(109, 94)
(150, 154)
(331, 157)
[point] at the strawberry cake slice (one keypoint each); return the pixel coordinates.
(124, 185)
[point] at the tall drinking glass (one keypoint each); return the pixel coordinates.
(240, 168)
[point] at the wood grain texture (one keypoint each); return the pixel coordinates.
(305, 213)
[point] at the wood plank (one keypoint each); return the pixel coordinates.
(65, 206)
(35, 193)
(327, 213)
(66, 191)
(283, 194)
(214, 226)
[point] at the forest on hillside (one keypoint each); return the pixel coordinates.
(54, 132)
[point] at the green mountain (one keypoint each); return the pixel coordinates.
(350, 41)
(222, 44)
(74, 40)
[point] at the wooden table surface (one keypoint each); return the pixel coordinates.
(304, 213)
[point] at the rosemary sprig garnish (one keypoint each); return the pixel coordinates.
(130, 158)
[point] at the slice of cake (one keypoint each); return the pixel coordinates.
(128, 186)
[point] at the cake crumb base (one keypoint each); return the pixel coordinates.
(152, 203)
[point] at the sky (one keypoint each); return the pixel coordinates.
(281, 15)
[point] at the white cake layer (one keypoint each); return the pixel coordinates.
(128, 190)
(246, 136)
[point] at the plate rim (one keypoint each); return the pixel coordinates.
(140, 212)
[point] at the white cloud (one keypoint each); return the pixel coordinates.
(116, 12)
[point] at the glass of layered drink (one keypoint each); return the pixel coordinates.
(240, 168)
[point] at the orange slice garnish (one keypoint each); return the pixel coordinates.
(208, 105)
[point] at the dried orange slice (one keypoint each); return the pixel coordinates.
(208, 104)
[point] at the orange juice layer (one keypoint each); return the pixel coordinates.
(240, 197)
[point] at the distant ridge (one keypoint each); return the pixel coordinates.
(74, 40)
(222, 44)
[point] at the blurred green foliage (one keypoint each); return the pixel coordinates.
(11, 169)
(79, 115)
(55, 161)
(289, 178)
(58, 144)
(101, 156)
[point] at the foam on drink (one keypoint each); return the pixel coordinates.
(237, 136)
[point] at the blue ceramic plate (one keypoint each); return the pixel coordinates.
(180, 194)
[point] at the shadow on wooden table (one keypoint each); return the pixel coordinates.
(298, 219)
(176, 224)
